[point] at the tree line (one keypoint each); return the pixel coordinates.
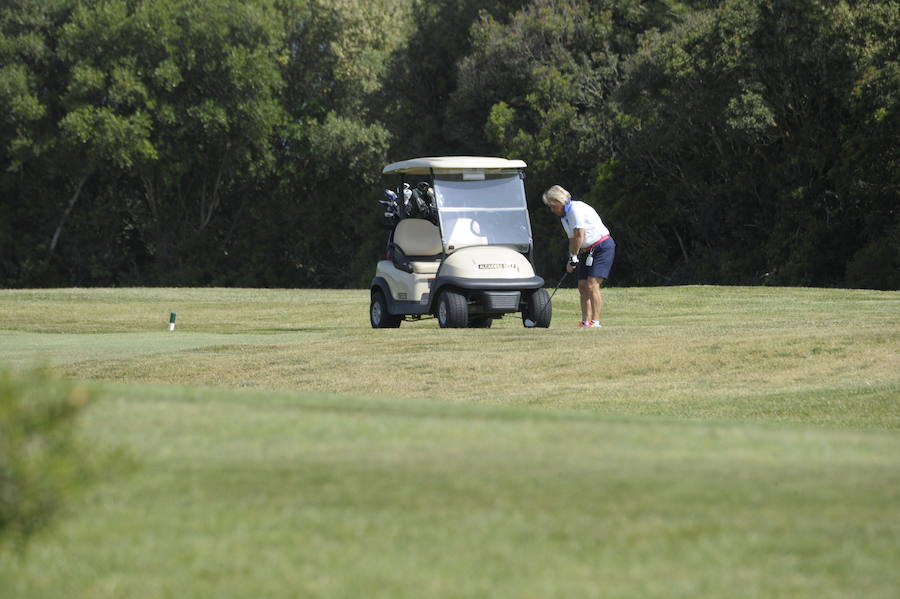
(240, 142)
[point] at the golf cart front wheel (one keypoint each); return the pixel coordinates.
(379, 315)
(538, 311)
(452, 310)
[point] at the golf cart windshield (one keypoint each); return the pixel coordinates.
(491, 211)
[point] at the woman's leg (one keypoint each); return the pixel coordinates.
(585, 296)
(595, 299)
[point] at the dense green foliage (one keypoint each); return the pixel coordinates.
(40, 461)
(241, 142)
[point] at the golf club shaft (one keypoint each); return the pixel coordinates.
(563, 278)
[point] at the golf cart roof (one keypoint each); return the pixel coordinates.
(452, 165)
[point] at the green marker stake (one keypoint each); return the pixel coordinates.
(172, 321)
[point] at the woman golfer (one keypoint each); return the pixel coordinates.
(591, 249)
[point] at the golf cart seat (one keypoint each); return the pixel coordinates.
(417, 246)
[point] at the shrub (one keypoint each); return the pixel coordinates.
(41, 462)
(875, 266)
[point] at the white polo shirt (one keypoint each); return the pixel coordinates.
(583, 216)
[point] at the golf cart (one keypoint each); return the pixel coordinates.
(460, 246)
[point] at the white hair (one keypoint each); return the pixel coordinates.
(557, 195)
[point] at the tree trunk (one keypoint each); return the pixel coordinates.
(681, 245)
(66, 213)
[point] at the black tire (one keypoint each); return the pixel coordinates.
(481, 322)
(538, 309)
(452, 310)
(379, 315)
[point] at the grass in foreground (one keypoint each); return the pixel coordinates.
(730, 442)
(246, 494)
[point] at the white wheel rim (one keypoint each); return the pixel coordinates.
(376, 312)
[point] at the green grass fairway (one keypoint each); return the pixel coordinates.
(707, 442)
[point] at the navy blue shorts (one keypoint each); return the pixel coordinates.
(603, 254)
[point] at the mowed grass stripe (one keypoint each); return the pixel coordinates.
(707, 352)
(252, 493)
(296, 310)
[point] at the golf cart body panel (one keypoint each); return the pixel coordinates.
(403, 285)
(470, 260)
(486, 263)
(397, 306)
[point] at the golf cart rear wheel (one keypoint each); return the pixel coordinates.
(537, 309)
(379, 315)
(452, 310)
